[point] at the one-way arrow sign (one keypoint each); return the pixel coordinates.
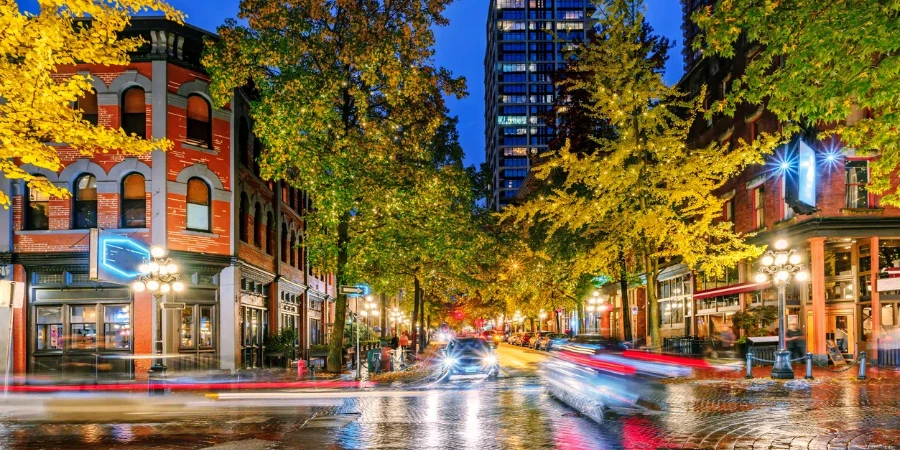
(348, 290)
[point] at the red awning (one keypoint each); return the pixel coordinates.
(728, 290)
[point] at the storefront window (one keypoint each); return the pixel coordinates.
(49, 328)
(206, 329)
(187, 327)
(117, 327)
(838, 261)
(889, 254)
(83, 327)
(836, 291)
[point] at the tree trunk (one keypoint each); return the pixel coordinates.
(422, 331)
(335, 355)
(652, 302)
(417, 295)
(623, 285)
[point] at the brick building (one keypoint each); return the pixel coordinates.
(812, 192)
(203, 201)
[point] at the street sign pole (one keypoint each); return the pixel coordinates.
(358, 368)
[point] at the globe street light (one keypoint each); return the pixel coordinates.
(159, 276)
(780, 266)
(543, 316)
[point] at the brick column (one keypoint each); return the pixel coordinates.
(817, 263)
(876, 300)
(143, 318)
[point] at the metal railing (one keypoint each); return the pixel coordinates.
(861, 360)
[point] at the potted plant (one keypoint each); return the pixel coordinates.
(282, 345)
(753, 322)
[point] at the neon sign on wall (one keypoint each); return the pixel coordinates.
(115, 258)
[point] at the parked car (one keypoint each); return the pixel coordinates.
(470, 356)
(514, 338)
(549, 341)
(491, 337)
(525, 339)
(535, 338)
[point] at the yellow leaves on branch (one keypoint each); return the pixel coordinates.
(36, 103)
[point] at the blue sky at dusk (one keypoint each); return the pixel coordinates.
(460, 48)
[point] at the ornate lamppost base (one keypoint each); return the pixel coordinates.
(782, 369)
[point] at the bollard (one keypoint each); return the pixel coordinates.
(749, 366)
(809, 364)
(862, 366)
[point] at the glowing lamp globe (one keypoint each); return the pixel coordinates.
(163, 270)
(794, 259)
(165, 288)
(802, 275)
(157, 252)
(177, 286)
(144, 268)
(781, 259)
(780, 244)
(154, 267)
(782, 275)
(172, 268)
(138, 286)
(152, 285)
(761, 278)
(767, 260)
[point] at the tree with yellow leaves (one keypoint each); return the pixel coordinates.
(36, 108)
(348, 100)
(641, 191)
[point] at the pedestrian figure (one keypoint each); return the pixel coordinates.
(795, 342)
(395, 342)
(404, 340)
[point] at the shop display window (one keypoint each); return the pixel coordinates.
(117, 327)
(49, 328)
(83, 327)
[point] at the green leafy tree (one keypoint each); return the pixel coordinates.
(643, 190)
(828, 64)
(348, 100)
(38, 106)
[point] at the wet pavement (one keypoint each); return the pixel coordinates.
(514, 411)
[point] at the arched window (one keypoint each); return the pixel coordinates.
(270, 234)
(88, 106)
(257, 226)
(293, 249)
(243, 218)
(198, 202)
(134, 112)
(244, 143)
(37, 208)
(134, 201)
(284, 243)
(199, 123)
(85, 202)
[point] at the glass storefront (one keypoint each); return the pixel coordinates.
(81, 337)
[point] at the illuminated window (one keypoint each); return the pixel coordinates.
(37, 208)
(515, 151)
(759, 207)
(88, 106)
(134, 112)
(198, 205)
(857, 176)
(85, 211)
(199, 125)
(134, 201)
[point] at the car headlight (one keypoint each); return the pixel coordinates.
(490, 360)
(450, 361)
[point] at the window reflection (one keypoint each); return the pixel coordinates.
(117, 327)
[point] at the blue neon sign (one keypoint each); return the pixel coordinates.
(118, 257)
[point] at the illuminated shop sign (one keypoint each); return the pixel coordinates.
(799, 176)
(115, 258)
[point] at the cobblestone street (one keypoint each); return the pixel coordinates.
(517, 412)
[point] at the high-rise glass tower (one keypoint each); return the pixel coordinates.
(522, 53)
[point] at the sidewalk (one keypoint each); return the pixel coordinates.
(846, 373)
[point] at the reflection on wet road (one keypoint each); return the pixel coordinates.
(515, 411)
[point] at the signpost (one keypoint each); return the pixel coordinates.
(357, 292)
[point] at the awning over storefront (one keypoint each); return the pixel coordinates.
(728, 290)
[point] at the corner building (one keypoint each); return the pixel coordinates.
(187, 200)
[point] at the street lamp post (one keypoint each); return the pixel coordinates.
(781, 265)
(159, 276)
